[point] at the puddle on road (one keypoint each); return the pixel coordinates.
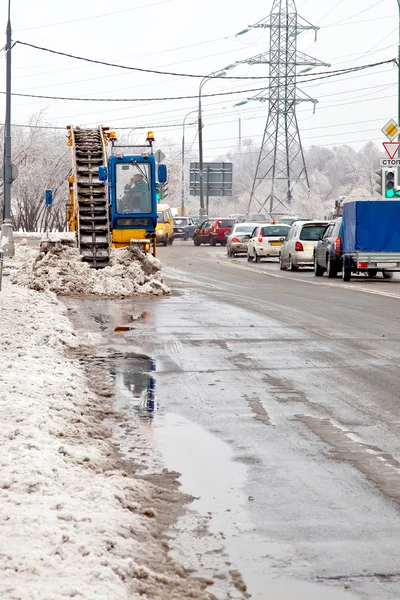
(216, 537)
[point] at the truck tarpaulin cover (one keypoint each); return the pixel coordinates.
(371, 226)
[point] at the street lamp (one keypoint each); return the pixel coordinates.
(7, 241)
(216, 75)
(183, 164)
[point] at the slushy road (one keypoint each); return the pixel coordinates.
(279, 403)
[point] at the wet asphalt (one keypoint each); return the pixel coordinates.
(276, 396)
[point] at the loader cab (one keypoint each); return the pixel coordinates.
(132, 196)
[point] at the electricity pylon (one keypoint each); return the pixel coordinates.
(281, 166)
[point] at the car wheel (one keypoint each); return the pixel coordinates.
(249, 258)
(292, 267)
(257, 258)
(387, 274)
(346, 272)
(165, 242)
(186, 237)
(372, 273)
(331, 269)
(170, 241)
(196, 242)
(223, 243)
(318, 270)
(281, 267)
(213, 242)
(229, 252)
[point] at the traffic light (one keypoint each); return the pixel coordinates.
(379, 182)
(158, 192)
(390, 190)
(164, 190)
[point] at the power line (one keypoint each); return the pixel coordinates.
(192, 75)
(95, 16)
(168, 98)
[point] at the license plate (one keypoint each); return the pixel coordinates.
(180, 230)
(275, 243)
(386, 265)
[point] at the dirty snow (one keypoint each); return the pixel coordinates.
(61, 270)
(73, 524)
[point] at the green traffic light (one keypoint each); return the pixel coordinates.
(158, 197)
(390, 193)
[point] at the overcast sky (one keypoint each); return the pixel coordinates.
(199, 37)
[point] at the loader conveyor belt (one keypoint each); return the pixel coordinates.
(89, 215)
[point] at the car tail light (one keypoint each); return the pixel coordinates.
(260, 238)
(299, 247)
(235, 239)
(216, 225)
(338, 245)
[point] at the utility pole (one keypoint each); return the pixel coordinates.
(183, 164)
(240, 133)
(281, 166)
(7, 240)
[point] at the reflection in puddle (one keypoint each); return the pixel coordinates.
(135, 384)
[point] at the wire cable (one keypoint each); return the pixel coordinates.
(153, 71)
(168, 98)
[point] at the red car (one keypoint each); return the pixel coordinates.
(214, 231)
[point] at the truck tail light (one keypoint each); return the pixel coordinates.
(235, 239)
(363, 265)
(299, 247)
(338, 245)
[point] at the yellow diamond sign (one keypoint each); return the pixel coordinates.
(391, 130)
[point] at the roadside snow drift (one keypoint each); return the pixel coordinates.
(73, 523)
(61, 270)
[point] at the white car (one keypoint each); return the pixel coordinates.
(266, 241)
(298, 248)
(238, 238)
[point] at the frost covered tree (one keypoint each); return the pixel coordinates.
(42, 158)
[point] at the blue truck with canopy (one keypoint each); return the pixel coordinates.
(371, 238)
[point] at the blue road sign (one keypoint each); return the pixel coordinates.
(49, 197)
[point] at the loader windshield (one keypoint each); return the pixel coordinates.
(133, 189)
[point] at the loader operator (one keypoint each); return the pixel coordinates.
(136, 197)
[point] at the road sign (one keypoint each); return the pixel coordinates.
(49, 197)
(389, 162)
(14, 172)
(159, 156)
(391, 148)
(217, 174)
(391, 130)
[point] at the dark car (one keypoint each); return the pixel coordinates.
(184, 228)
(328, 251)
(213, 231)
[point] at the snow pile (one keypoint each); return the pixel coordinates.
(61, 270)
(73, 524)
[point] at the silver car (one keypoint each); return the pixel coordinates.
(239, 237)
(298, 248)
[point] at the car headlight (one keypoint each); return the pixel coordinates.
(160, 232)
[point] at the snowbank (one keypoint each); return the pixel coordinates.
(61, 270)
(72, 524)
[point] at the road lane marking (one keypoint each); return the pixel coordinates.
(354, 288)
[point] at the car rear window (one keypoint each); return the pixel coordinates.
(244, 228)
(272, 230)
(312, 233)
(226, 222)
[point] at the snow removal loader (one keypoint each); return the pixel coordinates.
(113, 201)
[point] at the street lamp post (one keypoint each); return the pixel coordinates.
(7, 241)
(222, 73)
(183, 164)
(398, 70)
